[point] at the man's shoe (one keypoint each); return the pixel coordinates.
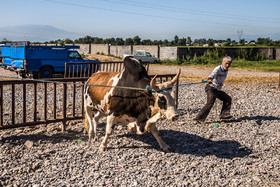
(226, 117)
(199, 121)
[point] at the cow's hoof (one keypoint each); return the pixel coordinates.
(102, 149)
(168, 150)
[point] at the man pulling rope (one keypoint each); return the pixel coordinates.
(213, 90)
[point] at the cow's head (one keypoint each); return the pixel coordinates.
(164, 99)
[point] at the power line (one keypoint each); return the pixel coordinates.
(196, 12)
(157, 16)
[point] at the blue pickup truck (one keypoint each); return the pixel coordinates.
(39, 61)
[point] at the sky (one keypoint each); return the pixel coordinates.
(156, 20)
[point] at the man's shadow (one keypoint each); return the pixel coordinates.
(185, 143)
(258, 119)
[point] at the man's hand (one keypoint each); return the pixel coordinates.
(209, 80)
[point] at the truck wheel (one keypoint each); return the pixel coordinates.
(35, 75)
(46, 72)
(155, 62)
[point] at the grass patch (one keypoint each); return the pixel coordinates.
(267, 65)
(264, 65)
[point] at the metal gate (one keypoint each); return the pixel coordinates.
(34, 102)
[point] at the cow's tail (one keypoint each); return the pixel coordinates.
(85, 105)
(86, 124)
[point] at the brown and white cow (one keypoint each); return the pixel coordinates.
(120, 105)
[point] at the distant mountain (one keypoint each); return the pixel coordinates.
(34, 33)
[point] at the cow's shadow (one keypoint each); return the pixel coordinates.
(185, 143)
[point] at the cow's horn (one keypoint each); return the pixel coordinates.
(175, 78)
(152, 83)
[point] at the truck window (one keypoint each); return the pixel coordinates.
(139, 53)
(148, 54)
(74, 55)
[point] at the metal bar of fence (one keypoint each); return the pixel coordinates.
(13, 104)
(82, 104)
(45, 101)
(54, 100)
(64, 104)
(1, 105)
(24, 102)
(74, 96)
(40, 122)
(35, 102)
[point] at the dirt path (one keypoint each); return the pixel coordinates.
(189, 73)
(197, 74)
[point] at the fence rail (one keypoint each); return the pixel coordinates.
(85, 69)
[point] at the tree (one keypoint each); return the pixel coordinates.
(61, 42)
(165, 42)
(176, 38)
(147, 42)
(136, 40)
(182, 42)
(157, 42)
(264, 41)
(68, 41)
(210, 42)
(128, 41)
(119, 41)
(98, 40)
(242, 42)
(189, 41)
(110, 41)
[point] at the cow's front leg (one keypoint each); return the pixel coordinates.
(161, 143)
(109, 129)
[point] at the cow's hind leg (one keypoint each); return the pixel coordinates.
(96, 118)
(161, 143)
(109, 129)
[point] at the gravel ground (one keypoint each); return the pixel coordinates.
(244, 151)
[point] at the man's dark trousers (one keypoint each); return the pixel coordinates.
(212, 94)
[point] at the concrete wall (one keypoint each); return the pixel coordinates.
(174, 52)
(277, 53)
(168, 53)
(119, 50)
(84, 48)
(101, 48)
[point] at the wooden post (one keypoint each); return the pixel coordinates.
(176, 93)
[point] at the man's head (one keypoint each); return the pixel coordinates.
(226, 62)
